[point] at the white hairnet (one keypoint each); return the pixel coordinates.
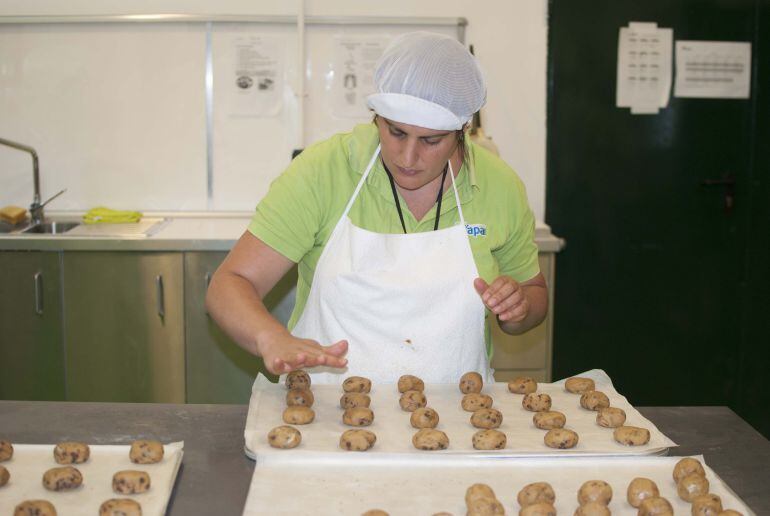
(428, 80)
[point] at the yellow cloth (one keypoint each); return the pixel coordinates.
(102, 215)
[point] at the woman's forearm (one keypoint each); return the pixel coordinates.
(233, 302)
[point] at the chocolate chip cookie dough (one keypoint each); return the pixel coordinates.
(298, 379)
(536, 402)
(412, 400)
(579, 385)
(424, 417)
(284, 437)
(429, 439)
(300, 398)
(355, 399)
(358, 416)
(298, 415)
(475, 401)
(489, 440)
(536, 492)
(549, 420)
(120, 507)
(357, 384)
(71, 453)
(62, 479)
(471, 382)
(487, 418)
(146, 452)
(357, 440)
(410, 382)
(131, 482)
(561, 438)
(522, 385)
(35, 508)
(6, 450)
(631, 435)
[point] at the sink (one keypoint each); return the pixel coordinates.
(5, 227)
(51, 228)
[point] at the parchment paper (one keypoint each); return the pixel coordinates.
(30, 461)
(394, 432)
(337, 487)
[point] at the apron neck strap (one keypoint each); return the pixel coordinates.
(369, 169)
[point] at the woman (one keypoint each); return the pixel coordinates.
(405, 235)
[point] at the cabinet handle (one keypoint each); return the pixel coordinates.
(159, 292)
(38, 277)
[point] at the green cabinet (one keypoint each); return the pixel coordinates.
(124, 326)
(218, 370)
(31, 350)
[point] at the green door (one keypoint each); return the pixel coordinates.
(652, 281)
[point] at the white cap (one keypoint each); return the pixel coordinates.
(428, 80)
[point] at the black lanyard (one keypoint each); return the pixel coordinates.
(398, 204)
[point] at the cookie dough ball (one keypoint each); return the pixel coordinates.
(691, 486)
(375, 512)
(471, 382)
(298, 415)
(62, 479)
(538, 509)
(355, 399)
(478, 492)
(358, 416)
(537, 492)
(561, 438)
(536, 402)
(410, 382)
(579, 385)
(522, 385)
(284, 437)
(688, 466)
(610, 417)
(35, 508)
(357, 384)
(594, 400)
(487, 418)
(357, 440)
(595, 491)
(730, 512)
(429, 439)
(655, 507)
(71, 453)
(640, 489)
(475, 401)
(120, 507)
(298, 379)
(485, 507)
(300, 398)
(489, 440)
(631, 435)
(146, 452)
(6, 450)
(593, 509)
(706, 505)
(424, 417)
(412, 400)
(4, 476)
(131, 482)
(549, 420)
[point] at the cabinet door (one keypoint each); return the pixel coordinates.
(218, 370)
(124, 330)
(31, 354)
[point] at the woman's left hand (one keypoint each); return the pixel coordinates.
(505, 297)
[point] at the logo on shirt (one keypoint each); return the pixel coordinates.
(476, 230)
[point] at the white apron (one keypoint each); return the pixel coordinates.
(404, 302)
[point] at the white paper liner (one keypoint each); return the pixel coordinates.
(337, 487)
(30, 461)
(394, 432)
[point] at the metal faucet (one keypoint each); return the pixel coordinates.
(36, 208)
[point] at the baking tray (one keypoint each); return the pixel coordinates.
(30, 461)
(340, 487)
(394, 433)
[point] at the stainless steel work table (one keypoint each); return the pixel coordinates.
(215, 474)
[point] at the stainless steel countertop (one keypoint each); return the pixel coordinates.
(215, 474)
(181, 231)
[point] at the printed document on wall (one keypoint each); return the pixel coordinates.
(713, 69)
(352, 74)
(644, 67)
(256, 80)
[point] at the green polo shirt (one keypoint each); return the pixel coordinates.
(303, 205)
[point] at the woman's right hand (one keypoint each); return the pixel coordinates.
(283, 353)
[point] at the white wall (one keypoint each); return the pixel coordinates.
(509, 37)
